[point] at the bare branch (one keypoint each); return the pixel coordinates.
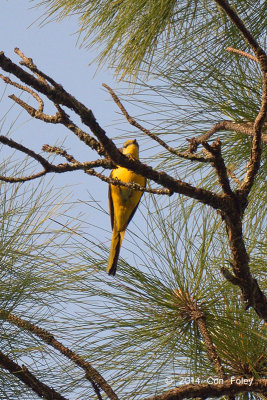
(83, 136)
(60, 152)
(245, 128)
(25, 89)
(241, 53)
(28, 62)
(48, 338)
(60, 118)
(49, 167)
(11, 143)
(187, 155)
(53, 119)
(29, 379)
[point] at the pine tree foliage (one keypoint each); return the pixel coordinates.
(174, 314)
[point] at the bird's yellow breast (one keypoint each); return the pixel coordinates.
(124, 199)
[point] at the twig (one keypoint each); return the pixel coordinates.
(28, 62)
(83, 136)
(25, 89)
(24, 375)
(11, 143)
(241, 53)
(60, 152)
(59, 118)
(234, 177)
(48, 338)
(229, 277)
(187, 155)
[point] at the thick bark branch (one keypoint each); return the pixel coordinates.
(251, 293)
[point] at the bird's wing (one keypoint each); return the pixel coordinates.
(134, 210)
(110, 204)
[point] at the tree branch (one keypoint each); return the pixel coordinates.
(29, 379)
(91, 372)
(49, 167)
(254, 161)
(59, 118)
(255, 156)
(134, 186)
(59, 96)
(187, 155)
(224, 4)
(251, 293)
(245, 128)
(14, 145)
(205, 390)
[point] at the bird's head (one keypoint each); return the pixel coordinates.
(131, 147)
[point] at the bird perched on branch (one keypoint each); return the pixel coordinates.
(123, 203)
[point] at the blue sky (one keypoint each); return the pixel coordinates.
(55, 51)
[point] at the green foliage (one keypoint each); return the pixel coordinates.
(139, 330)
(39, 272)
(131, 35)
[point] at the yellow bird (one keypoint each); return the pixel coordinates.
(123, 203)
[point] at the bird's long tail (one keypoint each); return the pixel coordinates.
(117, 238)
